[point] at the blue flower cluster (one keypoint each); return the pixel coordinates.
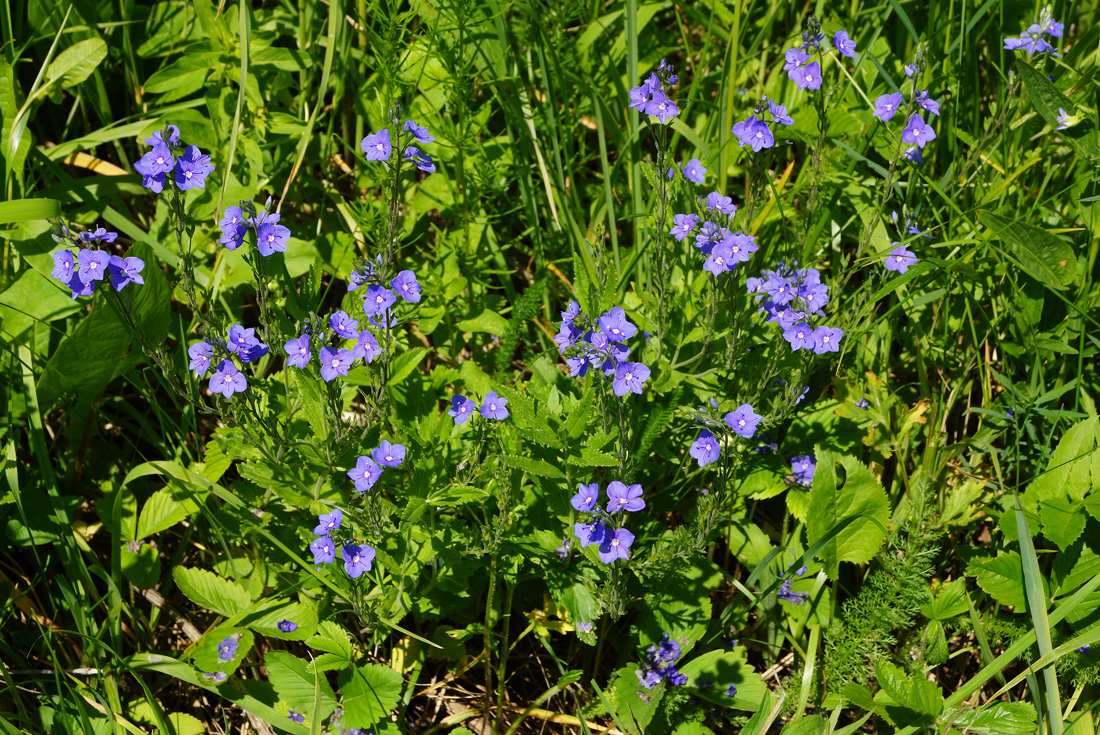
(901, 258)
(755, 131)
(613, 544)
(1032, 39)
(271, 237)
(723, 249)
(651, 96)
(189, 165)
(792, 298)
(334, 360)
(377, 299)
(585, 343)
(742, 421)
(227, 649)
(81, 271)
(659, 664)
(357, 558)
(494, 407)
(803, 468)
(227, 379)
(367, 470)
(916, 133)
(378, 147)
(785, 593)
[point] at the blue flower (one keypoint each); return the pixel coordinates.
(378, 299)
(377, 145)
(271, 237)
(344, 325)
(405, 285)
(298, 352)
(493, 407)
(98, 235)
(233, 228)
(241, 339)
(845, 45)
(364, 474)
(705, 448)
(800, 336)
(388, 455)
(419, 132)
(125, 271)
(589, 533)
(621, 497)
(422, 160)
(629, 377)
(367, 347)
(887, 106)
(807, 77)
(803, 468)
(227, 649)
(661, 107)
(743, 420)
(586, 497)
(462, 408)
(324, 551)
(192, 168)
(900, 259)
(287, 626)
(227, 380)
(683, 224)
(694, 171)
(334, 362)
(92, 265)
(916, 132)
(616, 545)
(329, 522)
(357, 559)
(154, 165)
(200, 354)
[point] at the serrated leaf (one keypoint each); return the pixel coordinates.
(266, 621)
(999, 718)
(950, 602)
(916, 694)
(210, 591)
(534, 467)
(205, 653)
(369, 693)
(1002, 578)
(526, 420)
(861, 496)
(1070, 470)
(720, 669)
(331, 638)
(1047, 100)
(1063, 521)
(164, 509)
(297, 685)
(1044, 255)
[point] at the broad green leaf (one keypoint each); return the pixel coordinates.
(720, 669)
(207, 657)
(210, 591)
(999, 718)
(24, 210)
(1069, 472)
(1063, 521)
(76, 63)
(369, 693)
(634, 712)
(296, 684)
(950, 602)
(1044, 255)
(917, 694)
(535, 467)
(861, 496)
(1002, 578)
(266, 621)
(486, 321)
(331, 638)
(811, 725)
(141, 567)
(404, 364)
(1048, 99)
(164, 509)
(34, 298)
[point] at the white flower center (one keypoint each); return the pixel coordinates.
(614, 542)
(740, 422)
(93, 265)
(629, 376)
(160, 160)
(187, 174)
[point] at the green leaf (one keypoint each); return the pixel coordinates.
(210, 591)
(141, 567)
(164, 509)
(999, 718)
(861, 496)
(331, 638)
(369, 693)
(534, 467)
(33, 298)
(24, 210)
(1047, 100)
(949, 603)
(485, 321)
(404, 364)
(921, 697)
(1044, 256)
(1063, 521)
(812, 725)
(1070, 470)
(720, 669)
(629, 708)
(76, 63)
(296, 684)
(1002, 578)
(206, 656)
(266, 621)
